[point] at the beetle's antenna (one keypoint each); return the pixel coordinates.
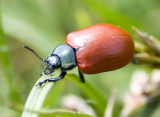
(28, 48)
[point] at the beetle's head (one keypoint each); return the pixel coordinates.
(53, 62)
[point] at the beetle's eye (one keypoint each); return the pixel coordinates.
(53, 62)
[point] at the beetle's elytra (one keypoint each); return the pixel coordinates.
(95, 49)
(101, 48)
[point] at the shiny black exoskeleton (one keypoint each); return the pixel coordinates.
(63, 58)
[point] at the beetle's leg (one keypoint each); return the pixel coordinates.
(44, 72)
(135, 62)
(75, 49)
(61, 76)
(81, 76)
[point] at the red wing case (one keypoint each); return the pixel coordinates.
(101, 48)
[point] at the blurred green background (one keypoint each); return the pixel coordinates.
(43, 24)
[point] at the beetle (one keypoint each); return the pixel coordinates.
(95, 49)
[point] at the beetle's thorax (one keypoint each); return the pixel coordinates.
(66, 55)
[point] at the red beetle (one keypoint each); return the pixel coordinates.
(95, 49)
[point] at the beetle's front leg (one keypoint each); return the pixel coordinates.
(61, 76)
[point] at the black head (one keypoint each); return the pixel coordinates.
(53, 62)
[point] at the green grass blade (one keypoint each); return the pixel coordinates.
(99, 101)
(36, 98)
(54, 94)
(61, 113)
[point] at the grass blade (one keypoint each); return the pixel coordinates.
(99, 101)
(61, 113)
(36, 98)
